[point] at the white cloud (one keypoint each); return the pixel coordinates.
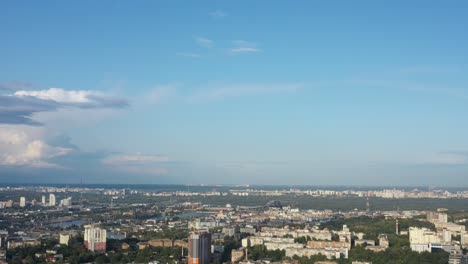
(79, 98)
(11, 137)
(242, 46)
(58, 95)
(245, 50)
(20, 147)
(244, 43)
(218, 14)
(30, 118)
(204, 42)
(25, 106)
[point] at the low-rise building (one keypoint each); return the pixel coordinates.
(236, 255)
(330, 253)
(64, 239)
(143, 245)
(328, 244)
(161, 243)
(363, 242)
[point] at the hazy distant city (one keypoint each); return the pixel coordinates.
(231, 224)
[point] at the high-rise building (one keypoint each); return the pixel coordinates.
(22, 201)
(43, 200)
(3, 239)
(51, 199)
(434, 217)
(199, 245)
(464, 238)
(446, 235)
(66, 202)
(9, 204)
(397, 227)
(95, 238)
(33, 202)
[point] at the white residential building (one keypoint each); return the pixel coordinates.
(421, 238)
(95, 238)
(22, 201)
(52, 199)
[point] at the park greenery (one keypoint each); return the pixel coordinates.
(372, 227)
(77, 253)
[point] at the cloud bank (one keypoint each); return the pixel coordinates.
(22, 148)
(19, 107)
(25, 122)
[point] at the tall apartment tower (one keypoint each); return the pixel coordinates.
(199, 245)
(22, 201)
(43, 200)
(95, 238)
(367, 203)
(397, 227)
(51, 199)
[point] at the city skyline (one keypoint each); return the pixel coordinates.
(263, 93)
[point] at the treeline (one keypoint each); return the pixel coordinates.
(395, 256)
(77, 253)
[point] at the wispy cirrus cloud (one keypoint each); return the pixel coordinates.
(188, 54)
(138, 163)
(214, 92)
(240, 90)
(237, 47)
(429, 69)
(449, 158)
(455, 92)
(135, 159)
(244, 50)
(160, 93)
(204, 42)
(440, 158)
(242, 46)
(217, 14)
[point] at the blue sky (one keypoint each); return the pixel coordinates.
(259, 92)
